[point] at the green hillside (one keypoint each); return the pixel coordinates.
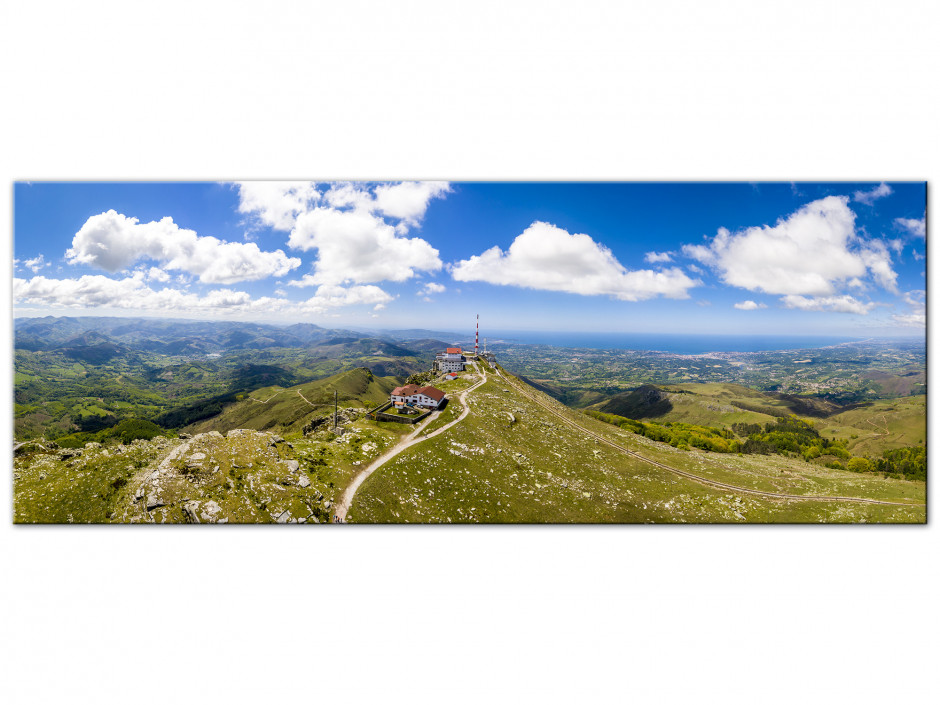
(285, 410)
(867, 428)
(515, 460)
(712, 404)
(882, 425)
(518, 456)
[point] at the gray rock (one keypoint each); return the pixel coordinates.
(292, 465)
(304, 481)
(198, 456)
(191, 510)
(185, 436)
(208, 434)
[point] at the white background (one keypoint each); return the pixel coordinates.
(672, 90)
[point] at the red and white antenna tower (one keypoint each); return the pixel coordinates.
(476, 345)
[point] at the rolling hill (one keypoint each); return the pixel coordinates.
(515, 455)
(286, 410)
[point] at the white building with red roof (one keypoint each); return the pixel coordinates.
(429, 397)
(451, 360)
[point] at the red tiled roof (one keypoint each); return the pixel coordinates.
(433, 392)
(406, 391)
(453, 351)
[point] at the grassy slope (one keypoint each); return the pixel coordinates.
(242, 473)
(721, 405)
(710, 404)
(887, 423)
(287, 410)
(487, 469)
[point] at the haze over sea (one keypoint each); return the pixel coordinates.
(671, 342)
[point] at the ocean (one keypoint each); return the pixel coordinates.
(671, 342)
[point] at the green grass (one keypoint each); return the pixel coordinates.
(722, 405)
(904, 419)
(540, 470)
(287, 410)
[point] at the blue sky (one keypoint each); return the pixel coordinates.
(803, 258)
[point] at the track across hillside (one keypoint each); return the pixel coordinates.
(346, 499)
(698, 478)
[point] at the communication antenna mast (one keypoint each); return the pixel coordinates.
(476, 345)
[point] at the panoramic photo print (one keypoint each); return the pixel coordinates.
(439, 352)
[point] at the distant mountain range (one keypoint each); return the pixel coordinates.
(108, 336)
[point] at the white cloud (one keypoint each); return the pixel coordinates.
(408, 200)
(911, 319)
(305, 280)
(276, 203)
(869, 197)
(914, 226)
(357, 246)
(430, 289)
(131, 293)
(878, 260)
(838, 304)
(112, 241)
(655, 257)
(157, 274)
(349, 228)
(917, 317)
(749, 305)
(548, 257)
(36, 263)
(811, 252)
(349, 195)
(915, 297)
(331, 296)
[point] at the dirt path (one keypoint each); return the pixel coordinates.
(150, 472)
(306, 400)
(884, 420)
(697, 478)
(346, 499)
(265, 401)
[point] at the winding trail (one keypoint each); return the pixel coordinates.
(698, 478)
(265, 401)
(880, 432)
(346, 499)
(305, 399)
